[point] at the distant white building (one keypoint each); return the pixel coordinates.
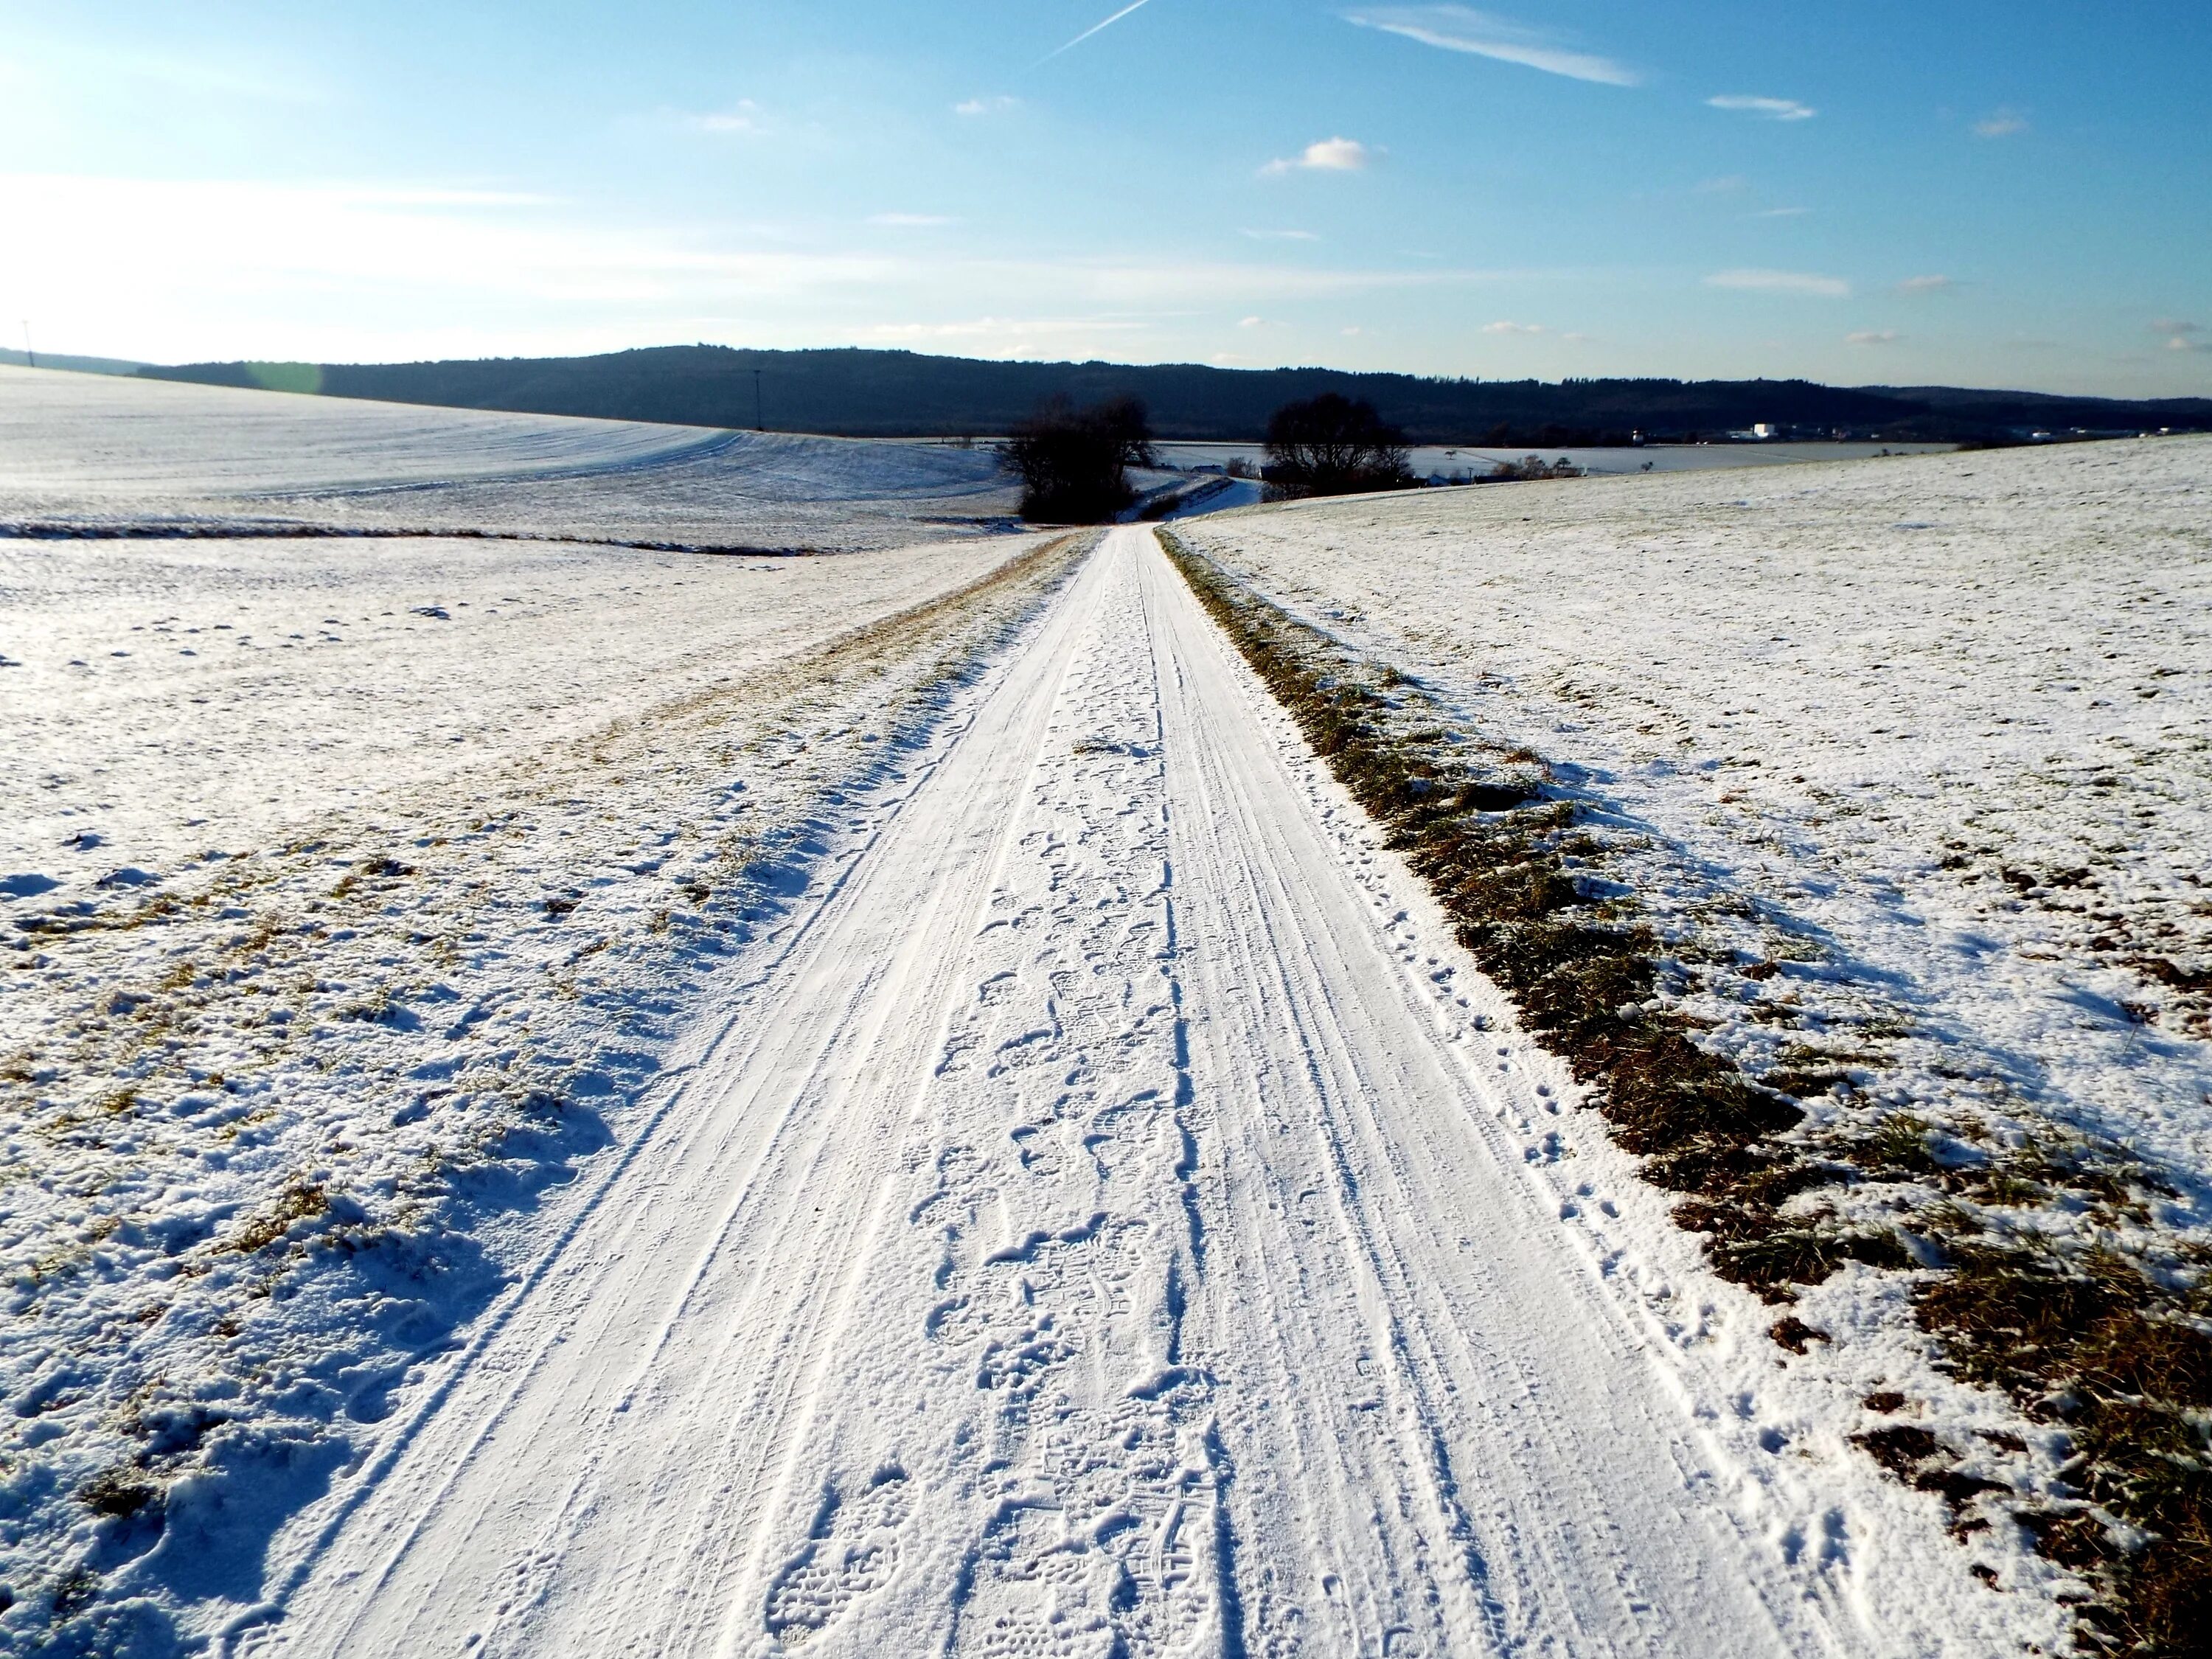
(1763, 430)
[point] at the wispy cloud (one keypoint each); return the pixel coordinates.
(1514, 328)
(743, 117)
(1459, 28)
(972, 107)
(1872, 336)
(1328, 156)
(1280, 235)
(2179, 335)
(911, 221)
(220, 73)
(1933, 283)
(2002, 124)
(1096, 28)
(1774, 109)
(1724, 186)
(1782, 213)
(1782, 282)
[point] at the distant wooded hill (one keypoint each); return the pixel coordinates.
(900, 394)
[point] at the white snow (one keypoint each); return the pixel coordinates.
(97, 450)
(166, 697)
(1859, 695)
(1113, 1224)
(886, 1103)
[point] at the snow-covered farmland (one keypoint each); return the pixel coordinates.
(166, 697)
(1890, 783)
(570, 1097)
(85, 450)
(353, 888)
(1949, 717)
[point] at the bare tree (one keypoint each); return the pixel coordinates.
(1074, 462)
(1334, 446)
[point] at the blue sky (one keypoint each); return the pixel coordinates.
(1955, 191)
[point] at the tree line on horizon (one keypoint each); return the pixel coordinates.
(872, 394)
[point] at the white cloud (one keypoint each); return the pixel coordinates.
(1282, 235)
(2002, 124)
(974, 106)
(2183, 342)
(722, 123)
(1931, 285)
(2180, 336)
(1782, 282)
(1724, 186)
(1251, 322)
(1329, 155)
(911, 221)
(1872, 336)
(1459, 28)
(1782, 213)
(1514, 328)
(1774, 109)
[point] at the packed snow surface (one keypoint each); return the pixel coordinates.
(1114, 1223)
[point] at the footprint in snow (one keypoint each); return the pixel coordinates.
(853, 1549)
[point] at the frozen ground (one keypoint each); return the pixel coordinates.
(280, 1114)
(888, 1104)
(1950, 716)
(1113, 1224)
(1902, 769)
(85, 450)
(163, 698)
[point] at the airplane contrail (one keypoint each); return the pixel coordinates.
(1092, 30)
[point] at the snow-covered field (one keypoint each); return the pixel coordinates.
(85, 450)
(574, 1099)
(164, 698)
(354, 888)
(1905, 766)
(1946, 719)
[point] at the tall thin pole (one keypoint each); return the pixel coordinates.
(759, 425)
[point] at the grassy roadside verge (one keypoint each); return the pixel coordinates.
(2101, 1328)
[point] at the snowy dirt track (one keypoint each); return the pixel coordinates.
(1114, 1222)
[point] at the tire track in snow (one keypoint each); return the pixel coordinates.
(1087, 1241)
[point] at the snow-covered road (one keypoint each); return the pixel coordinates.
(1112, 1224)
